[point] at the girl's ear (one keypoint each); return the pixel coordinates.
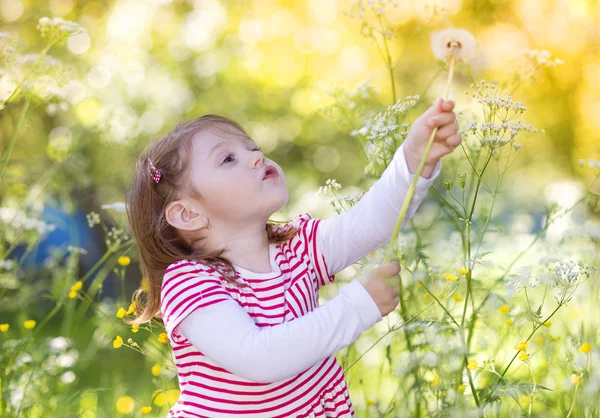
(181, 215)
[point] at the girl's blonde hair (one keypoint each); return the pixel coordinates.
(159, 243)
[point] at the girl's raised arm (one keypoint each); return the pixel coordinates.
(226, 334)
(369, 224)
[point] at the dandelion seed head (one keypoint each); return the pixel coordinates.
(452, 42)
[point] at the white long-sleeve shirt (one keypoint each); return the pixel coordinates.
(277, 332)
(242, 347)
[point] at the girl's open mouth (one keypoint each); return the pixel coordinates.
(271, 172)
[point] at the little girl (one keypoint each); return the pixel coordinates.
(239, 294)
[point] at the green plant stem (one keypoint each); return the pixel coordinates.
(517, 353)
(388, 332)
(14, 137)
(573, 403)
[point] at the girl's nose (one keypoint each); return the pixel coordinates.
(258, 159)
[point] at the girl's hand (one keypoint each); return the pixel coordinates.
(445, 141)
(377, 283)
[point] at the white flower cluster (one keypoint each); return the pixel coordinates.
(591, 163)
(115, 237)
(542, 57)
(344, 203)
(500, 127)
(489, 95)
(331, 185)
(379, 7)
(383, 134)
(57, 28)
(93, 219)
(19, 221)
(7, 264)
(76, 250)
(566, 275)
(117, 206)
(348, 102)
(8, 51)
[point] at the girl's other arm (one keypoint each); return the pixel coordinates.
(226, 334)
(369, 224)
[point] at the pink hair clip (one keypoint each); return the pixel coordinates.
(155, 173)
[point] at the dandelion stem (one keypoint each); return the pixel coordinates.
(413, 184)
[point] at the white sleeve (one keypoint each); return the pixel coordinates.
(227, 335)
(369, 224)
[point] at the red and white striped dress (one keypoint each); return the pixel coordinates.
(291, 291)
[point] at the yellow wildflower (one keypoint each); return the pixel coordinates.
(118, 342)
(472, 365)
(457, 297)
(463, 271)
(125, 405)
(539, 340)
(461, 388)
(450, 277)
(29, 324)
(504, 309)
(146, 409)
(522, 346)
(77, 286)
(135, 328)
(163, 338)
(523, 356)
(121, 313)
(426, 297)
(585, 348)
(4, 327)
(131, 308)
(553, 338)
(576, 380)
(161, 398)
(124, 260)
(73, 294)
(509, 322)
(547, 323)
(435, 381)
(156, 370)
(370, 402)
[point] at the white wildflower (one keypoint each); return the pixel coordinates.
(331, 185)
(117, 206)
(93, 219)
(348, 200)
(57, 28)
(457, 43)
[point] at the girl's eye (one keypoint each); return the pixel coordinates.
(230, 155)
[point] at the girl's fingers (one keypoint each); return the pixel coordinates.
(448, 105)
(441, 119)
(454, 140)
(446, 131)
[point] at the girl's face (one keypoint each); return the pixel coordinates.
(229, 172)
